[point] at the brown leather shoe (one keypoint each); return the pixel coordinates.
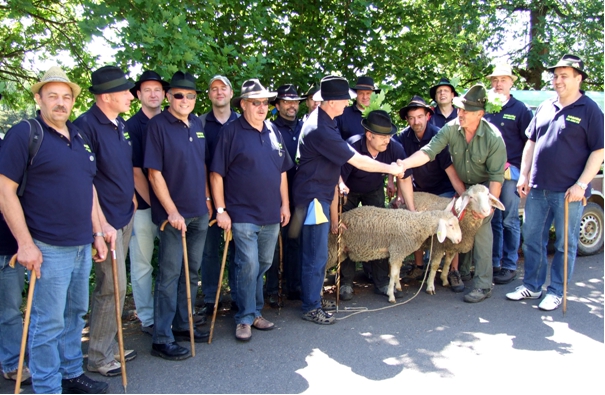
(243, 332)
(262, 324)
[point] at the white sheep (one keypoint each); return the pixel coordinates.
(475, 199)
(371, 233)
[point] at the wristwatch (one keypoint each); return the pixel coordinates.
(582, 185)
(98, 234)
(220, 210)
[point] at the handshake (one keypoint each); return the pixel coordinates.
(397, 169)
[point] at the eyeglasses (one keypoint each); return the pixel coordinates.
(258, 103)
(180, 96)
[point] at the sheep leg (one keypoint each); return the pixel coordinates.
(430, 282)
(395, 266)
(449, 256)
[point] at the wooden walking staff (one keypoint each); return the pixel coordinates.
(338, 248)
(116, 293)
(28, 309)
(227, 236)
(187, 287)
(280, 274)
(566, 241)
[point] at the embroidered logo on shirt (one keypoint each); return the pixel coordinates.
(200, 135)
(87, 148)
(509, 116)
(573, 119)
(126, 135)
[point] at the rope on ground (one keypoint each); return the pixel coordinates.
(366, 310)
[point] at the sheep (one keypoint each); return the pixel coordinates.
(375, 233)
(475, 199)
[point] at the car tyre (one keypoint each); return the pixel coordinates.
(591, 230)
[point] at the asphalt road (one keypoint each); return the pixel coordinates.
(430, 344)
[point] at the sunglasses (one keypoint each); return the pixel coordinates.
(180, 96)
(258, 103)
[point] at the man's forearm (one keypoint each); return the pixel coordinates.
(495, 188)
(158, 183)
(592, 167)
(141, 184)
(10, 206)
(218, 193)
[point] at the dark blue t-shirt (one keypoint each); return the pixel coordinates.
(290, 132)
(430, 177)
(212, 129)
(322, 154)
(565, 138)
(251, 164)
(349, 123)
(512, 121)
(137, 127)
(114, 180)
(179, 152)
(57, 201)
(8, 244)
(360, 181)
(439, 120)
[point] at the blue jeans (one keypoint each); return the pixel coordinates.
(291, 263)
(57, 316)
(541, 208)
(211, 264)
(506, 228)
(170, 296)
(314, 256)
(254, 248)
(141, 246)
(11, 319)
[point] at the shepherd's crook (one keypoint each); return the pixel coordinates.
(227, 236)
(280, 296)
(28, 309)
(116, 293)
(187, 287)
(565, 241)
(340, 198)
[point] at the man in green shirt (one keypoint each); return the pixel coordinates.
(478, 154)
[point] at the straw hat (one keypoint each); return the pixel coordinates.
(56, 74)
(503, 70)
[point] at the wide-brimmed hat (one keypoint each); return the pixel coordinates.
(287, 92)
(221, 78)
(573, 61)
(503, 70)
(473, 100)
(182, 80)
(109, 79)
(416, 102)
(334, 88)
(443, 82)
(148, 75)
(253, 89)
(55, 74)
(311, 91)
(379, 122)
(365, 83)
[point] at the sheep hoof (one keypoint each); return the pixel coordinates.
(392, 300)
(430, 291)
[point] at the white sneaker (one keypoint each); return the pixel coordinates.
(550, 302)
(523, 293)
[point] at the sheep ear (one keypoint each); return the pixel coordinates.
(450, 205)
(464, 199)
(496, 203)
(441, 230)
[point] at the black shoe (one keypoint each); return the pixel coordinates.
(83, 385)
(199, 319)
(384, 290)
(495, 270)
(505, 276)
(171, 351)
(455, 281)
(208, 309)
(294, 295)
(346, 292)
(198, 336)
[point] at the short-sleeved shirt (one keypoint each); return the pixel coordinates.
(137, 127)
(349, 123)
(565, 138)
(8, 244)
(479, 161)
(251, 163)
(512, 121)
(439, 120)
(360, 181)
(322, 153)
(114, 180)
(212, 129)
(57, 200)
(179, 152)
(290, 131)
(430, 177)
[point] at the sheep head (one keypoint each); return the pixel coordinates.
(478, 199)
(450, 228)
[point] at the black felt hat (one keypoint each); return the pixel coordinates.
(109, 79)
(148, 75)
(365, 83)
(311, 91)
(287, 92)
(473, 100)
(334, 88)
(443, 82)
(379, 122)
(183, 80)
(416, 102)
(573, 61)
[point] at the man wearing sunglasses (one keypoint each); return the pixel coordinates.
(250, 190)
(175, 153)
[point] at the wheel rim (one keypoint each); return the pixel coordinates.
(590, 229)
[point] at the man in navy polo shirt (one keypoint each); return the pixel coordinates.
(436, 177)
(150, 90)
(53, 223)
(443, 93)
(175, 154)
(566, 140)
(250, 190)
(368, 189)
(287, 103)
(109, 140)
(311, 104)
(512, 121)
(322, 154)
(349, 123)
(220, 93)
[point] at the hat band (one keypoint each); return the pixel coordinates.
(110, 84)
(379, 129)
(474, 103)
